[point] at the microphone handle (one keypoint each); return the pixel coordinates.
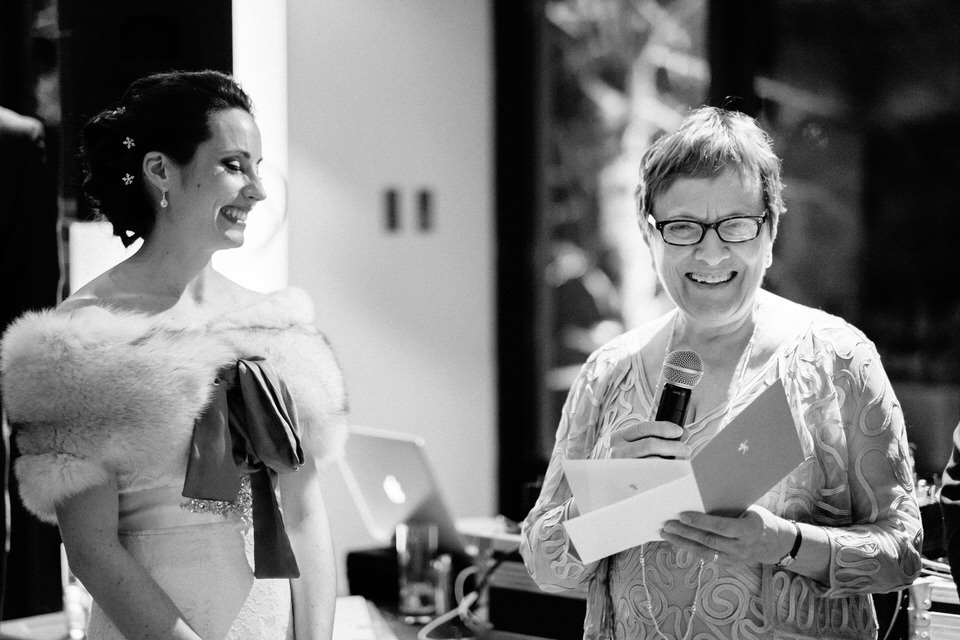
(673, 404)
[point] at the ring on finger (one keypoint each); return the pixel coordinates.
(716, 556)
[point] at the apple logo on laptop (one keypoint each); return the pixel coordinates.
(391, 487)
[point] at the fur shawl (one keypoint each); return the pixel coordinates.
(95, 393)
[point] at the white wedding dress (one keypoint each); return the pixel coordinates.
(200, 553)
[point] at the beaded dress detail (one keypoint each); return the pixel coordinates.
(241, 508)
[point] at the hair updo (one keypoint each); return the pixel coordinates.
(167, 112)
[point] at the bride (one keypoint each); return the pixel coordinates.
(170, 420)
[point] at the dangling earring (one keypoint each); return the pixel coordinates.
(768, 260)
(163, 199)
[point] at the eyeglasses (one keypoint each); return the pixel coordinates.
(683, 233)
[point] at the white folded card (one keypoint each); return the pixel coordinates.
(624, 502)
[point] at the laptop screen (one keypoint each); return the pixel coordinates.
(392, 481)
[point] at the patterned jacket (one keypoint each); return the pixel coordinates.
(856, 482)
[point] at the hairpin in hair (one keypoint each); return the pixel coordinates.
(127, 179)
(128, 142)
(119, 110)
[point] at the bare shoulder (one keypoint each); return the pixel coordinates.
(104, 292)
(99, 292)
(228, 294)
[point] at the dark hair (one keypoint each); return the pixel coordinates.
(708, 141)
(168, 112)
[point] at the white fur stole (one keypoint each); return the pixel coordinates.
(95, 394)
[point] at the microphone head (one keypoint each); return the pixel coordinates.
(683, 368)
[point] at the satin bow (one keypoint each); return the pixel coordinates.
(250, 427)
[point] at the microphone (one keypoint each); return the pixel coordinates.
(682, 371)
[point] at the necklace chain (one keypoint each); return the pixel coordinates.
(738, 376)
(693, 607)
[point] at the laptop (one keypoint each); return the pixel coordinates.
(391, 481)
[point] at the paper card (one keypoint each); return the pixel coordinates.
(598, 483)
(633, 521)
(624, 503)
(751, 455)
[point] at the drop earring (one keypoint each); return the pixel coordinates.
(163, 199)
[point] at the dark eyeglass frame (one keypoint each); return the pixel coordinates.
(706, 226)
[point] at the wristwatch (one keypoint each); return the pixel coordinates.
(788, 559)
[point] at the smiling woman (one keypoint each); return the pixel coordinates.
(711, 277)
(165, 414)
(221, 183)
(803, 560)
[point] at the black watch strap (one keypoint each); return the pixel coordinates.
(788, 559)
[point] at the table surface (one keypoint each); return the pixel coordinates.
(357, 619)
(49, 626)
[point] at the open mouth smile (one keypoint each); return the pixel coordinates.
(712, 278)
(234, 215)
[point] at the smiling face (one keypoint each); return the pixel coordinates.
(221, 183)
(713, 283)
